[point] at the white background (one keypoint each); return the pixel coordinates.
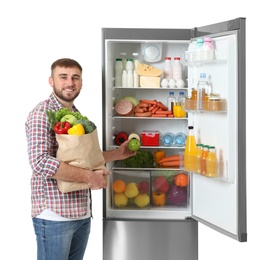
(35, 33)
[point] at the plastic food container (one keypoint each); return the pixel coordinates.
(150, 138)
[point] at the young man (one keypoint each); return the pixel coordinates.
(61, 220)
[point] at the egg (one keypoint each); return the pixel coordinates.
(172, 83)
(164, 83)
(180, 83)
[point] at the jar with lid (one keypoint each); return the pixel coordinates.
(118, 72)
(168, 69)
(177, 69)
(194, 97)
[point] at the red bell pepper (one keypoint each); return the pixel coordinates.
(161, 184)
(62, 127)
(121, 137)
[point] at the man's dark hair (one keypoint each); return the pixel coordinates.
(66, 63)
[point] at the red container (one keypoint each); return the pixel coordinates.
(150, 138)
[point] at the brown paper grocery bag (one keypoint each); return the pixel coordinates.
(81, 151)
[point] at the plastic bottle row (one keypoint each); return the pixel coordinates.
(126, 76)
(126, 72)
(201, 50)
(200, 158)
(203, 97)
(176, 104)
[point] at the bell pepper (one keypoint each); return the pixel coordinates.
(161, 184)
(159, 198)
(181, 180)
(121, 137)
(159, 154)
(62, 127)
(77, 129)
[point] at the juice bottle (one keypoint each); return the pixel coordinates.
(211, 163)
(190, 150)
(194, 97)
(197, 159)
(203, 159)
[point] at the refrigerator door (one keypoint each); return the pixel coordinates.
(216, 203)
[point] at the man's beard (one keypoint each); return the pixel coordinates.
(65, 98)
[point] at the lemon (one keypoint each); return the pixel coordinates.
(120, 200)
(142, 200)
(131, 190)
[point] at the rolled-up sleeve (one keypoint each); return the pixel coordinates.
(42, 144)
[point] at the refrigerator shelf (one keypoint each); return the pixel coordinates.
(194, 58)
(118, 166)
(142, 88)
(153, 147)
(212, 106)
(149, 117)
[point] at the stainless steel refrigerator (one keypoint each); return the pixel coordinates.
(170, 231)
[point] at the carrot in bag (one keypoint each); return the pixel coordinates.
(169, 158)
(170, 164)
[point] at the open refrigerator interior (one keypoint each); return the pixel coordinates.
(154, 193)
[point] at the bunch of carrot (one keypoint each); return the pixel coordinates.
(171, 161)
(152, 108)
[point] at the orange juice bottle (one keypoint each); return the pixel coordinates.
(211, 163)
(197, 160)
(203, 159)
(190, 150)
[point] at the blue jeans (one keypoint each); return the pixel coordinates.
(61, 240)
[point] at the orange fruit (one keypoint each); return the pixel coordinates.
(119, 186)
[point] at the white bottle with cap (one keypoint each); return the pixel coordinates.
(168, 69)
(177, 69)
(130, 71)
(118, 72)
(135, 75)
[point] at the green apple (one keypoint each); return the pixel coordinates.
(134, 145)
(69, 118)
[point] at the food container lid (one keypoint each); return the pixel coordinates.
(150, 132)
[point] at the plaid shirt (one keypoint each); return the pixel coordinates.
(42, 148)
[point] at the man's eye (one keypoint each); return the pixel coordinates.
(76, 78)
(63, 77)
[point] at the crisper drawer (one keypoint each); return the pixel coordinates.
(156, 194)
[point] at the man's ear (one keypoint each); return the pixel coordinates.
(51, 81)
